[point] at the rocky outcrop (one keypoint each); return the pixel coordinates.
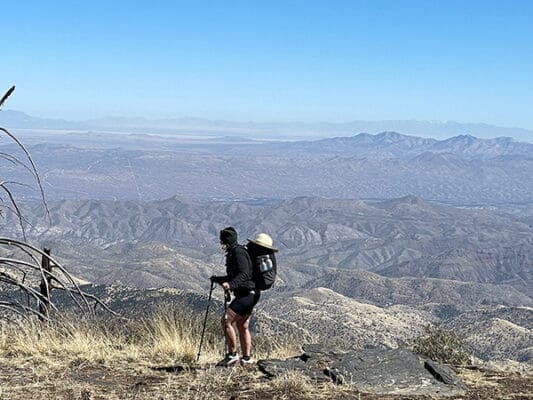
(380, 371)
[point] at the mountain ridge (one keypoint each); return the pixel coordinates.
(406, 237)
(397, 145)
(17, 119)
(463, 171)
(384, 291)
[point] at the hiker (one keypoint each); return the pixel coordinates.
(239, 280)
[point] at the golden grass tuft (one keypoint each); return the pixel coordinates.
(168, 336)
(176, 336)
(67, 341)
(292, 385)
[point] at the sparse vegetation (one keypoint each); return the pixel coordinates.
(441, 346)
(54, 355)
(293, 385)
(165, 337)
(115, 359)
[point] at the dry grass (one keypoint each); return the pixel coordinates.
(293, 385)
(115, 359)
(116, 356)
(172, 337)
(167, 336)
(82, 341)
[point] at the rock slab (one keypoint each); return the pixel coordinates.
(380, 371)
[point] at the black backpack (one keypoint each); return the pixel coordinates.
(264, 271)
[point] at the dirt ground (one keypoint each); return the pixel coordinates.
(82, 381)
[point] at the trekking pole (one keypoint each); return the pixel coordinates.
(227, 299)
(205, 320)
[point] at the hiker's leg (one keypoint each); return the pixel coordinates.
(229, 332)
(243, 323)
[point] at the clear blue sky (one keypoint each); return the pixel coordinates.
(467, 61)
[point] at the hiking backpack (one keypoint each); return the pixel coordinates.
(264, 271)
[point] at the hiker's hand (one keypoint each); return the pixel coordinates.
(225, 285)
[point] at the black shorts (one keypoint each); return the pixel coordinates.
(244, 305)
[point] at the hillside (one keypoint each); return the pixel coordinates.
(174, 242)
(334, 319)
(497, 333)
(382, 291)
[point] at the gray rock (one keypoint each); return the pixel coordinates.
(380, 371)
(274, 368)
(443, 373)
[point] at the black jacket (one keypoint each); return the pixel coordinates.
(238, 270)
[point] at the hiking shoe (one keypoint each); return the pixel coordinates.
(246, 362)
(229, 360)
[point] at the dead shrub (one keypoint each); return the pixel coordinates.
(441, 346)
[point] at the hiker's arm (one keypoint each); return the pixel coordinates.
(244, 269)
(219, 279)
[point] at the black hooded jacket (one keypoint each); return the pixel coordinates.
(238, 270)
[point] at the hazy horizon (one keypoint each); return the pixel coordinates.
(439, 130)
(302, 61)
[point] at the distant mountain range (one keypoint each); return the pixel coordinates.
(16, 119)
(396, 145)
(459, 170)
(352, 273)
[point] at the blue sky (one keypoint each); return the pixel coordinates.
(337, 61)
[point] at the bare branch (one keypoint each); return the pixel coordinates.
(96, 300)
(14, 271)
(36, 266)
(15, 161)
(11, 209)
(14, 282)
(15, 206)
(5, 96)
(12, 306)
(34, 168)
(56, 264)
(54, 277)
(18, 269)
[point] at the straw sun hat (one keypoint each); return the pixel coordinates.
(263, 240)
